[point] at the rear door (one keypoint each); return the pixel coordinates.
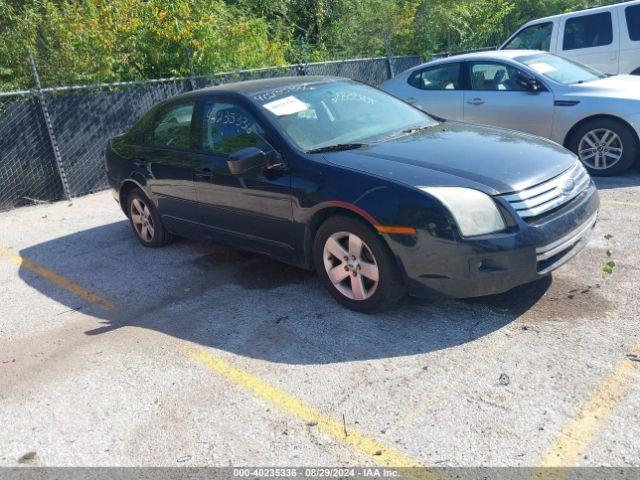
(592, 39)
(437, 90)
(495, 98)
(166, 160)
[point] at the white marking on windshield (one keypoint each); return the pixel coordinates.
(286, 106)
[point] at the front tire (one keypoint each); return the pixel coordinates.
(145, 220)
(606, 147)
(356, 266)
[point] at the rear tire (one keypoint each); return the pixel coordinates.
(596, 148)
(145, 220)
(356, 266)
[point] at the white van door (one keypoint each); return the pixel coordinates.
(629, 38)
(592, 39)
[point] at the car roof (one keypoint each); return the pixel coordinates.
(489, 55)
(594, 10)
(250, 88)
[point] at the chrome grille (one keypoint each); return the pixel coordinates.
(537, 200)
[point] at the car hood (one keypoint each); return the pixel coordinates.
(491, 160)
(618, 86)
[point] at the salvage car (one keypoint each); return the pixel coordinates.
(374, 194)
(594, 115)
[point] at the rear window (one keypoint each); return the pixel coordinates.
(443, 77)
(588, 31)
(633, 22)
(172, 127)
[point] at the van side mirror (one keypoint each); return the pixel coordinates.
(246, 159)
(528, 82)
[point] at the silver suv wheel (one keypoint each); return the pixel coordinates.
(600, 149)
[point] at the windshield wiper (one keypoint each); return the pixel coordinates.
(406, 131)
(339, 147)
(415, 129)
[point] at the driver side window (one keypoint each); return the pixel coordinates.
(228, 127)
(535, 37)
(172, 127)
(494, 76)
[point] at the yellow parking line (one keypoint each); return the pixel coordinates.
(620, 202)
(580, 431)
(379, 452)
(58, 280)
(382, 454)
(428, 400)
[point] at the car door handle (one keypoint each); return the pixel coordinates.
(140, 163)
(411, 100)
(205, 175)
(476, 101)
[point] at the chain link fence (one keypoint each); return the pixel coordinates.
(52, 140)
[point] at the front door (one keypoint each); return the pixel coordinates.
(495, 98)
(253, 209)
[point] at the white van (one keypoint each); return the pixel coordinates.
(605, 38)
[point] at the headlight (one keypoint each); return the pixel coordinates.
(474, 212)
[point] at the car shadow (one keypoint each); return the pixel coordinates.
(629, 179)
(250, 305)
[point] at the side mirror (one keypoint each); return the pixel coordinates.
(246, 159)
(528, 83)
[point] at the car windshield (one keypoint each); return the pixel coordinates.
(560, 69)
(339, 114)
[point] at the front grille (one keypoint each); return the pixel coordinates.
(552, 194)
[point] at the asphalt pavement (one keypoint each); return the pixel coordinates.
(112, 354)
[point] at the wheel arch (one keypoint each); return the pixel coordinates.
(636, 71)
(123, 193)
(349, 210)
(572, 131)
(321, 215)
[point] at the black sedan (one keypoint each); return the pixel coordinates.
(377, 196)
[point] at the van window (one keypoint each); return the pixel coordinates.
(588, 31)
(633, 22)
(442, 77)
(535, 37)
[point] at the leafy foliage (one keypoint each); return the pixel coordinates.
(610, 264)
(86, 41)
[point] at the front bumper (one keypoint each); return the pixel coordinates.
(497, 263)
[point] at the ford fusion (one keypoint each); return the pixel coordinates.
(375, 195)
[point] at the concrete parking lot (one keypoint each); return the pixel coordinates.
(195, 354)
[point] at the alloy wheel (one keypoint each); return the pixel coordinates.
(142, 220)
(600, 149)
(351, 266)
